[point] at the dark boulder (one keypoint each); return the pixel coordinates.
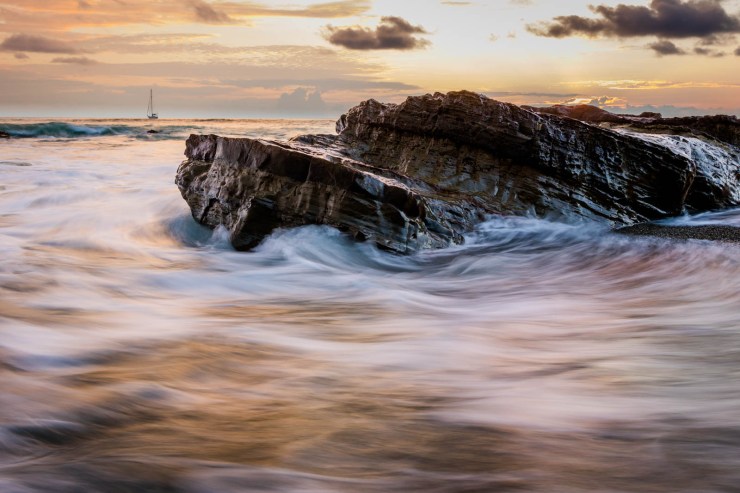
(422, 173)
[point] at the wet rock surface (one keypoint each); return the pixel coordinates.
(422, 173)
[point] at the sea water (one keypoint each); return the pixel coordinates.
(140, 353)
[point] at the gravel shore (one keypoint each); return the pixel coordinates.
(706, 232)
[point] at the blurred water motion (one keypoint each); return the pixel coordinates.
(138, 352)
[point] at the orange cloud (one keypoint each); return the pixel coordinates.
(62, 15)
(626, 85)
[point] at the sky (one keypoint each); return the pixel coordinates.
(309, 59)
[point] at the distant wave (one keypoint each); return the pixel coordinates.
(60, 129)
(72, 130)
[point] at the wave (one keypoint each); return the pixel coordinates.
(726, 217)
(61, 129)
(64, 130)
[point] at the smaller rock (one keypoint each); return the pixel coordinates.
(4, 135)
(153, 131)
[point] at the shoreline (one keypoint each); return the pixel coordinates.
(722, 233)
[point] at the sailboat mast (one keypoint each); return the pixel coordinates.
(150, 108)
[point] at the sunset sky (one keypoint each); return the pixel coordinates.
(300, 58)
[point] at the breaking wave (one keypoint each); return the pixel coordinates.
(68, 130)
(63, 130)
(173, 129)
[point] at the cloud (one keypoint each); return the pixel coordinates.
(324, 85)
(737, 51)
(616, 104)
(670, 111)
(651, 85)
(663, 18)
(76, 60)
(328, 10)
(665, 47)
(393, 33)
(456, 4)
(301, 102)
(21, 56)
(56, 15)
(499, 94)
(707, 52)
(206, 13)
(36, 44)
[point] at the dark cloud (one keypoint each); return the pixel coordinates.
(665, 47)
(83, 4)
(737, 51)
(206, 13)
(393, 33)
(36, 44)
(663, 18)
(76, 60)
(21, 56)
(707, 52)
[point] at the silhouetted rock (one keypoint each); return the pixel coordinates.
(4, 135)
(724, 128)
(583, 112)
(421, 173)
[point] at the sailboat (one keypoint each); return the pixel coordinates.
(150, 109)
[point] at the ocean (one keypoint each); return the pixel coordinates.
(140, 353)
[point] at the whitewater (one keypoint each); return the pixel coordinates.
(140, 353)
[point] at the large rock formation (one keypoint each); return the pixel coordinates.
(422, 173)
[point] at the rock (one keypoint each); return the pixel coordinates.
(723, 128)
(4, 135)
(152, 131)
(422, 173)
(582, 112)
(254, 186)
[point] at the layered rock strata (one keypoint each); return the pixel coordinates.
(422, 173)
